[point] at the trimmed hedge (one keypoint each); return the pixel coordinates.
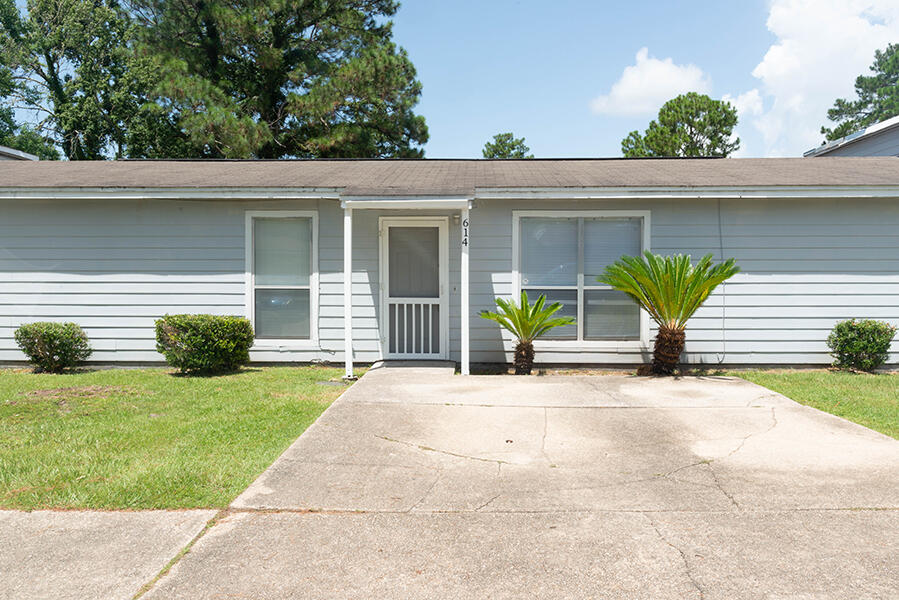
(863, 345)
(204, 343)
(53, 347)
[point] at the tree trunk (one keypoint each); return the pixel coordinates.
(524, 358)
(669, 344)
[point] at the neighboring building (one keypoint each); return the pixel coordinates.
(7, 153)
(881, 139)
(115, 245)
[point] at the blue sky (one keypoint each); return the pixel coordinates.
(574, 77)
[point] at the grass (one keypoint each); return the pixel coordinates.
(139, 439)
(871, 400)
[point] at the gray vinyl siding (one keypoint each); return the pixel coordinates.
(114, 266)
(882, 143)
(806, 264)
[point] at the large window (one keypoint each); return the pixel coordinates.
(560, 256)
(281, 270)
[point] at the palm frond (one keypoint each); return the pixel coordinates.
(670, 288)
(527, 321)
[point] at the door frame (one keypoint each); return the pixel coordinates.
(442, 225)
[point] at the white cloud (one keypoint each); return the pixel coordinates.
(821, 47)
(644, 86)
(747, 104)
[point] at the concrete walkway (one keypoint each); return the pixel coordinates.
(419, 483)
(63, 555)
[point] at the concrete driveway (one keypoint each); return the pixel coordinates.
(81, 554)
(419, 483)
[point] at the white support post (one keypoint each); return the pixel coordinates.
(466, 241)
(348, 291)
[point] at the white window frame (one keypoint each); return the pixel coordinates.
(590, 345)
(249, 244)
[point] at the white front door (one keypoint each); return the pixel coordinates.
(414, 273)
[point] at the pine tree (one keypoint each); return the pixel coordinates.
(689, 125)
(877, 97)
(506, 145)
(282, 78)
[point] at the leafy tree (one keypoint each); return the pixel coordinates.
(877, 97)
(282, 78)
(506, 145)
(14, 135)
(26, 139)
(671, 290)
(690, 125)
(75, 68)
(526, 322)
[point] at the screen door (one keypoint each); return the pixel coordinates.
(414, 279)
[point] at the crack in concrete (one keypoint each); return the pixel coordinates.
(708, 462)
(486, 504)
(687, 568)
(429, 490)
(762, 398)
(543, 439)
(744, 440)
(221, 514)
(685, 467)
(720, 487)
(444, 452)
(602, 391)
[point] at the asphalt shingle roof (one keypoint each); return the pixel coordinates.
(453, 177)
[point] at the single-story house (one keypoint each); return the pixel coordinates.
(7, 153)
(880, 139)
(361, 260)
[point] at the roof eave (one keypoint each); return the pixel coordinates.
(482, 193)
(172, 193)
(14, 154)
(661, 192)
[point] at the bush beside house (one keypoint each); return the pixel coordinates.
(204, 343)
(863, 345)
(53, 347)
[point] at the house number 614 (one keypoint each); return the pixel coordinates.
(465, 232)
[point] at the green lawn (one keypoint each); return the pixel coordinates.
(132, 439)
(868, 399)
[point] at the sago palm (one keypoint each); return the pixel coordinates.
(670, 289)
(527, 322)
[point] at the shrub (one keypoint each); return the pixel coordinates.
(862, 345)
(204, 343)
(53, 347)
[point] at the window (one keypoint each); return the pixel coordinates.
(562, 254)
(281, 274)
